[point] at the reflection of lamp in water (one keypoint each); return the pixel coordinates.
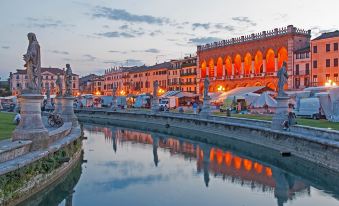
(155, 149)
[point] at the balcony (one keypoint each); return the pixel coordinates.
(188, 64)
(188, 74)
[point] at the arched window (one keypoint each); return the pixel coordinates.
(282, 56)
(237, 64)
(211, 68)
(270, 63)
(203, 69)
(247, 64)
(258, 62)
(228, 65)
(219, 67)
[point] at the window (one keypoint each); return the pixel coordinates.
(335, 46)
(17, 76)
(307, 55)
(328, 62)
(26, 77)
(315, 64)
(297, 83)
(336, 77)
(335, 62)
(74, 78)
(73, 85)
(315, 78)
(297, 69)
(328, 47)
(306, 82)
(307, 70)
(297, 56)
(315, 49)
(327, 77)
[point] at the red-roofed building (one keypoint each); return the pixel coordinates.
(19, 80)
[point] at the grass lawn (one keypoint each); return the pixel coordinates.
(323, 123)
(6, 125)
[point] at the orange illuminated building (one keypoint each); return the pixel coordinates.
(251, 60)
(325, 55)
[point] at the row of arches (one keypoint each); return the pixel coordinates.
(245, 65)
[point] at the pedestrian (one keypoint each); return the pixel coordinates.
(195, 107)
(17, 118)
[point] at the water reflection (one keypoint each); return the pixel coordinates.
(214, 161)
(159, 169)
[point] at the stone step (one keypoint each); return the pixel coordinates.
(10, 150)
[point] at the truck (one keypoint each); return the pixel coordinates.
(309, 108)
(168, 102)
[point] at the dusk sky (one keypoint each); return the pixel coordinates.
(95, 35)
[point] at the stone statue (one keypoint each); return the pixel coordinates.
(206, 86)
(48, 92)
(155, 88)
(114, 98)
(283, 76)
(33, 64)
(58, 83)
(68, 81)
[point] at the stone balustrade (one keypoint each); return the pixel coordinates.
(255, 36)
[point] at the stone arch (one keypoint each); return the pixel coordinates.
(271, 86)
(203, 69)
(219, 67)
(282, 56)
(245, 84)
(270, 62)
(257, 84)
(228, 65)
(211, 68)
(258, 62)
(237, 64)
(247, 63)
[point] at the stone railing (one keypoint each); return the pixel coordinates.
(255, 36)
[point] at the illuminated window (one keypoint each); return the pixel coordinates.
(327, 77)
(335, 46)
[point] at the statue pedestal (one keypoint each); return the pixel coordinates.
(206, 108)
(49, 105)
(57, 105)
(281, 113)
(155, 105)
(114, 104)
(31, 126)
(67, 112)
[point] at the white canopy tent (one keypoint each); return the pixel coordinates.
(264, 99)
(237, 93)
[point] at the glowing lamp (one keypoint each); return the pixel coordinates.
(220, 88)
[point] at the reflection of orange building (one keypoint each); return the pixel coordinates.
(325, 55)
(251, 60)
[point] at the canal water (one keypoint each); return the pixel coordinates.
(129, 167)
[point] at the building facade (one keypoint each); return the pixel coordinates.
(19, 81)
(251, 60)
(325, 55)
(302, 68)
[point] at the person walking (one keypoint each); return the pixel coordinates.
(195, 107)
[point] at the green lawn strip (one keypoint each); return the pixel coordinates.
(301, 121)
(6, 125)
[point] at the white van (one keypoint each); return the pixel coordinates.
(168, 102)
(309, 108)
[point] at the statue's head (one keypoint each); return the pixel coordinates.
(68, 66)
(284, 64)
(31, 37)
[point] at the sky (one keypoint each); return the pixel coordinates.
(95, 35)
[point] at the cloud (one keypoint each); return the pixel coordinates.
(105, 26)
(5, 47)
(124, 27)
(155, 51)
(156, 32)
(127, 62)
(224, 27)
(115, 34)
(200, 25)
(123, 15)
(60, 52)
(203, 40)
(46, 23)
(244, 19)
(115, 51)
(89, 57)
